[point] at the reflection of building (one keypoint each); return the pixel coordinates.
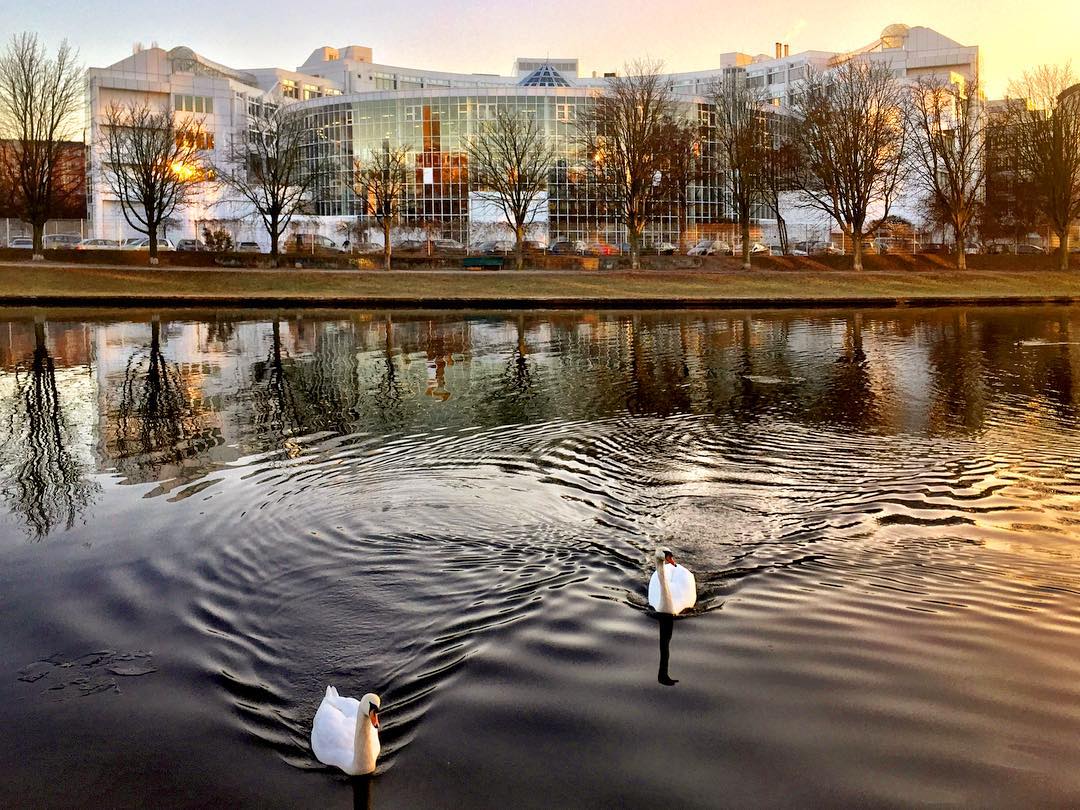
(354, 106)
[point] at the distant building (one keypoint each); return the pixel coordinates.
(354, 105)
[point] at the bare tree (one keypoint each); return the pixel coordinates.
(681, 165)
(511, 157)
(267, 166)
(153, 163)
(40, 98)
(946, 149)
(742, 134)
(380, 181)
(777, 173)
(1045, 117)
(623, 135)
(850, 133)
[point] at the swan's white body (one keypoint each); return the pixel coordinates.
(672, 588)
(342, 734)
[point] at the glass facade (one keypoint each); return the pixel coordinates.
(435, 125)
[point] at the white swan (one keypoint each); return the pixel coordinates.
(345, 732)
(671, 590)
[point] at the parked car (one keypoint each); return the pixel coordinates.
(601, 249)
(22, 243)
(932, 247)
(143, 243)
(576, 246)
(312, 244)
(60, 240)
(710, 247)
(826, 249)
(448, 246)
(410, 244)
(248, 247)
(533, 244)
(1029, 250)
(495, 246)
(98, 244)
(130, 242)
(191, 245)
(657, 248)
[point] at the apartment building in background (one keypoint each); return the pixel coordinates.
(353, 105)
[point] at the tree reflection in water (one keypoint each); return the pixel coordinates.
(157, 423)
(45, 483)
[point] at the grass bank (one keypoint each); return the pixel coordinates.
(52, 284)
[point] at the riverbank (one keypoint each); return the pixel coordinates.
(24, 284)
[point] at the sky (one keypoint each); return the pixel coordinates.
(486, 36)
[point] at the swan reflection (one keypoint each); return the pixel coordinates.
(667, 627)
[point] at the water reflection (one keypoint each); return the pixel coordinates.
(666, 624)
(175, 399)
(159, 421)
(46, 482)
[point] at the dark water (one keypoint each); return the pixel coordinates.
(207, 518)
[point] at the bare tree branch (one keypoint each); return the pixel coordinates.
(40, 98)
(1044, 116)
(153, 163)
(380, 181)
(623, 135)
(267, 167)
(512, 158)
(850, 133)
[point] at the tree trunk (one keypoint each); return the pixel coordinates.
(781, 230)
(1063, 249)
(39, 242)
(856, 250)
(683, 207)
(745, 242)
(153, 243)
(635, 248)
(519, 247)
(386, 245)
(274, 236)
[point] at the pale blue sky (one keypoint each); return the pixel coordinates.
(486, 36)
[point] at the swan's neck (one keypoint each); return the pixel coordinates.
(365, 740)
(666, 605)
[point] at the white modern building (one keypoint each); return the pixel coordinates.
(353, 105)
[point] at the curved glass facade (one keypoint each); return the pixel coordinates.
(435, 125)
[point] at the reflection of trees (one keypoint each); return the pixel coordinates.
(44, 482)
(847, 397)
(277, 411)
(157, 422)
(658, 371)
(517, 394)
(959, 379)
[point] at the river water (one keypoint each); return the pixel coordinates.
(207, 517)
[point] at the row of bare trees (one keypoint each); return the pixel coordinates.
(852, 140)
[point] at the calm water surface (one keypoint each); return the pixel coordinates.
(208, 517)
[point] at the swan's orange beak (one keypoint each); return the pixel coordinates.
(670, 560)
(374, 717)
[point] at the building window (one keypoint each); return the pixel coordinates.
(195, 104)
(198, 140)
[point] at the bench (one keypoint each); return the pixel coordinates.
(482, 262)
